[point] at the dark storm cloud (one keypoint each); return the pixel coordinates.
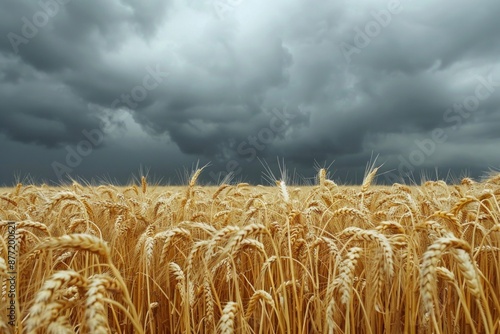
(34, 110)
(356, 81)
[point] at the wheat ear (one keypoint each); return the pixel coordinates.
(243, 233)
(226, 322)
(345, 279)
(144, 184)
(169, 236)
(28, 223)
(85, 242)
(220, 235)
(47, 293)
(382, 242)
(258, 295)
(180, 278)
(209, 300)
(284, 192)
(428, 268)
(8, 200)
(95, 312)
(468, 270)
(368, 180)
(52, 319)
(60, 326)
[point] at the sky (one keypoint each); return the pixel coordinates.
(109, 90)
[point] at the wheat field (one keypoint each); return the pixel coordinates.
(253, 259)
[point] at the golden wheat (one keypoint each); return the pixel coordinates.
(252, 259)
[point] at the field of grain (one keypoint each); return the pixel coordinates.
(252, 259)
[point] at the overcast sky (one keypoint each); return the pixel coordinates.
(101, 89)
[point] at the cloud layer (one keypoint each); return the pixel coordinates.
(169, 83)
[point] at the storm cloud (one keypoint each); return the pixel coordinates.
(168, 84)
